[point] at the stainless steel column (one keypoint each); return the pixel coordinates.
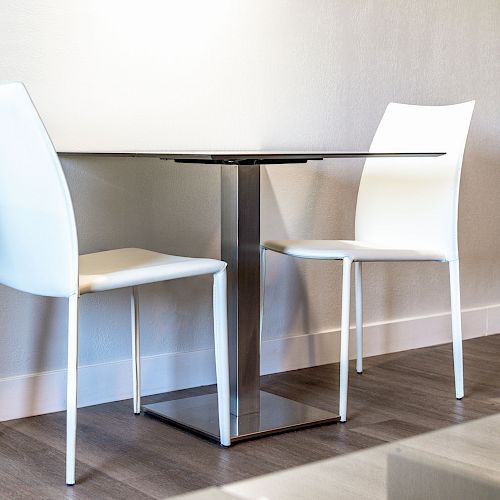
(240, 224)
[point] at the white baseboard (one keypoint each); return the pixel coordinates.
(39, 393)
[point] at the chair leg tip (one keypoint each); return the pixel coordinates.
(225, 442)
(460, 399)
(359, 372)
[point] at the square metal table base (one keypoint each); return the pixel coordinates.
(199, 414)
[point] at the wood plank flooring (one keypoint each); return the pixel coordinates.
(125, 456)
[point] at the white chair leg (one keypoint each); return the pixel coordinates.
(262, 287)
(222, 356)
(358, 291)
(456, 325)
(136, 348)
(344, 338)
(71, 397)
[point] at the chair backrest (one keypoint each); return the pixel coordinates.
(413, 202)
(38, 240)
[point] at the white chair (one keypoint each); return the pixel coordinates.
(39, 252)
(407, 210)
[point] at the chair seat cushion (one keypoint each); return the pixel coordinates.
(134, 266)
(355, 250)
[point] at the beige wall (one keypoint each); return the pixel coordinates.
(293, 74)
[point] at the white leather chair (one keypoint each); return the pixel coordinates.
(407, 210)
(39, 251)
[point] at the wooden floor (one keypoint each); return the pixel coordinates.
(125, 456)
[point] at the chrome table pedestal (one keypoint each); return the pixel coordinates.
(254, 412)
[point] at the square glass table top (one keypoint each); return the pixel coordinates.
(253, 157)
